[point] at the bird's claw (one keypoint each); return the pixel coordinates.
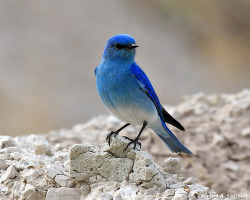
(108, 138)
(132, 142)
(127, 138)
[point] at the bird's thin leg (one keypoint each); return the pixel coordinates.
(115, 133)
(135, 141)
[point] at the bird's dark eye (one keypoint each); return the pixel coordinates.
(118, 46)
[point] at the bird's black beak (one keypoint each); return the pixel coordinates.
(127, 46)
(132, 46)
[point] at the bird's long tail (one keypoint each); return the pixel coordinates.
(170, 140)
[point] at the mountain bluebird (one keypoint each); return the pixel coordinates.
(127, 93)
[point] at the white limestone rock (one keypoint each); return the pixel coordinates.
(190, 181)
(30, 175)
(63, 193)
(4, 191)
(3, 164)
(168, 193)
(117, 146)
(172, 165)
(43, 149)
(116, 169)
(10, 173)
(97, 179)
(76, 150)
(64, 181)
(6, 141)
(28, 161)
(85, 164)
(54, 169)
(33, 193)
(179, 196)
(87, 161)
(88, 172)
(145, 172)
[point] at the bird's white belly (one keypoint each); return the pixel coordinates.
(135, 116)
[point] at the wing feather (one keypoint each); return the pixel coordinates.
(149, 90)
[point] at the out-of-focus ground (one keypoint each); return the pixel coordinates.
(49, 49)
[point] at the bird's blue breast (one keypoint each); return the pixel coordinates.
(116, 83)
(120, 90)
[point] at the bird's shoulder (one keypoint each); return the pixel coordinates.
(135, 69)
(141, 76)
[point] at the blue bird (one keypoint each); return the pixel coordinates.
(127, 93)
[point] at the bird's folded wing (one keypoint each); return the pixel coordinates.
(147, 87)
(149, 90)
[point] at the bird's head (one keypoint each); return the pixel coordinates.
(120, 47)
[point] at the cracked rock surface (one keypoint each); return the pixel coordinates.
(112, 164)
(88, 172)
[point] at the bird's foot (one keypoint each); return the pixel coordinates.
(135, 142)
(108, 138)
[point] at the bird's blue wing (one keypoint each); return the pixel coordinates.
(147, 87)
(95, 70)
(172, 142)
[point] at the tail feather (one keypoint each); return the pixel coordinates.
(170, 140)
(175, 145)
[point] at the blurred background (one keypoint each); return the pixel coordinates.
(49, 50)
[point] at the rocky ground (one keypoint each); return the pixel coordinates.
(52, 166)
